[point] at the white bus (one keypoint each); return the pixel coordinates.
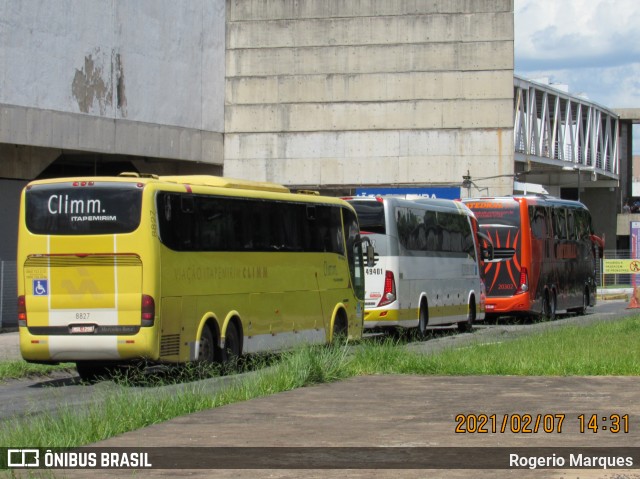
(428, 268)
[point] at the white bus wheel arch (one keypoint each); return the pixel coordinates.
(467, 325)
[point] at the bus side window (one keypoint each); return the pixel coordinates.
(582, 221)
(187, 203)
(431, 227)
(469, 245)
(176, 225)
(560, 223)
(260, 226)
(187, 235)
(571, 225)
(537, 219)
(291, 224)
(329, 229)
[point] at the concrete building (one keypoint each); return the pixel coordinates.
(305, 93)
(342, 94)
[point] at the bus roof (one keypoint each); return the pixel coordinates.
(431, 203)
(196, 180)
(216, 181)
(485, 201)
(223, 182)
(231, 184)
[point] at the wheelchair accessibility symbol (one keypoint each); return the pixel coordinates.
(40, 287)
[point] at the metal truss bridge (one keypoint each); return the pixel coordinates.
(563, 140)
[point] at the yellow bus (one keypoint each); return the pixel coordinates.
(172, 269)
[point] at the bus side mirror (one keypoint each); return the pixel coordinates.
(369, 252)
(486, 246)
(371, 260)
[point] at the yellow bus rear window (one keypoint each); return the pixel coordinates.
(83, 209)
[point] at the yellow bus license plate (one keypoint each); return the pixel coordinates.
(83, 329)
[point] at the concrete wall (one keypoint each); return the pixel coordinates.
(602, 203)
(142, 78)
(316, 93)
(10, 206)
(370, 92)
(10, 195)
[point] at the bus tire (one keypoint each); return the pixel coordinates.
(423, 320)
(207, 347)
(340, 329)
(467, 326)
(585, 302)
(549, 306)
(231, 350)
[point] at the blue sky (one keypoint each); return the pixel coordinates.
(593, 46)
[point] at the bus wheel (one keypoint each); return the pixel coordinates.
(340, 330)
(231, 351)
(206, 350)
(423, 321)
(467, 326)
(549, 306)
(585, 302)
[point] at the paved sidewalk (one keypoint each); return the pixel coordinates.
(398, 412)
(9, 346)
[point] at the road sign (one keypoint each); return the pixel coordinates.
(621, 266)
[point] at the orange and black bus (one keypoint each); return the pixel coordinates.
(544, 255)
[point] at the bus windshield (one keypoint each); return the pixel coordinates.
(84, 208)
(500, 220)
(370, 216)
(496, 213)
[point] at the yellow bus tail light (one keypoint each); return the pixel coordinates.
(148, 310)
(22, 311)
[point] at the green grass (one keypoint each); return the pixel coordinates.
(22, 369)
(606, 348)
(601, 349)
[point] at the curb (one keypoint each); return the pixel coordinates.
(607, 297)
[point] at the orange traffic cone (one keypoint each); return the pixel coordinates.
(635, 299)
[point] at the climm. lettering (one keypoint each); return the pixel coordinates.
(61, 204)
(257, 272)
